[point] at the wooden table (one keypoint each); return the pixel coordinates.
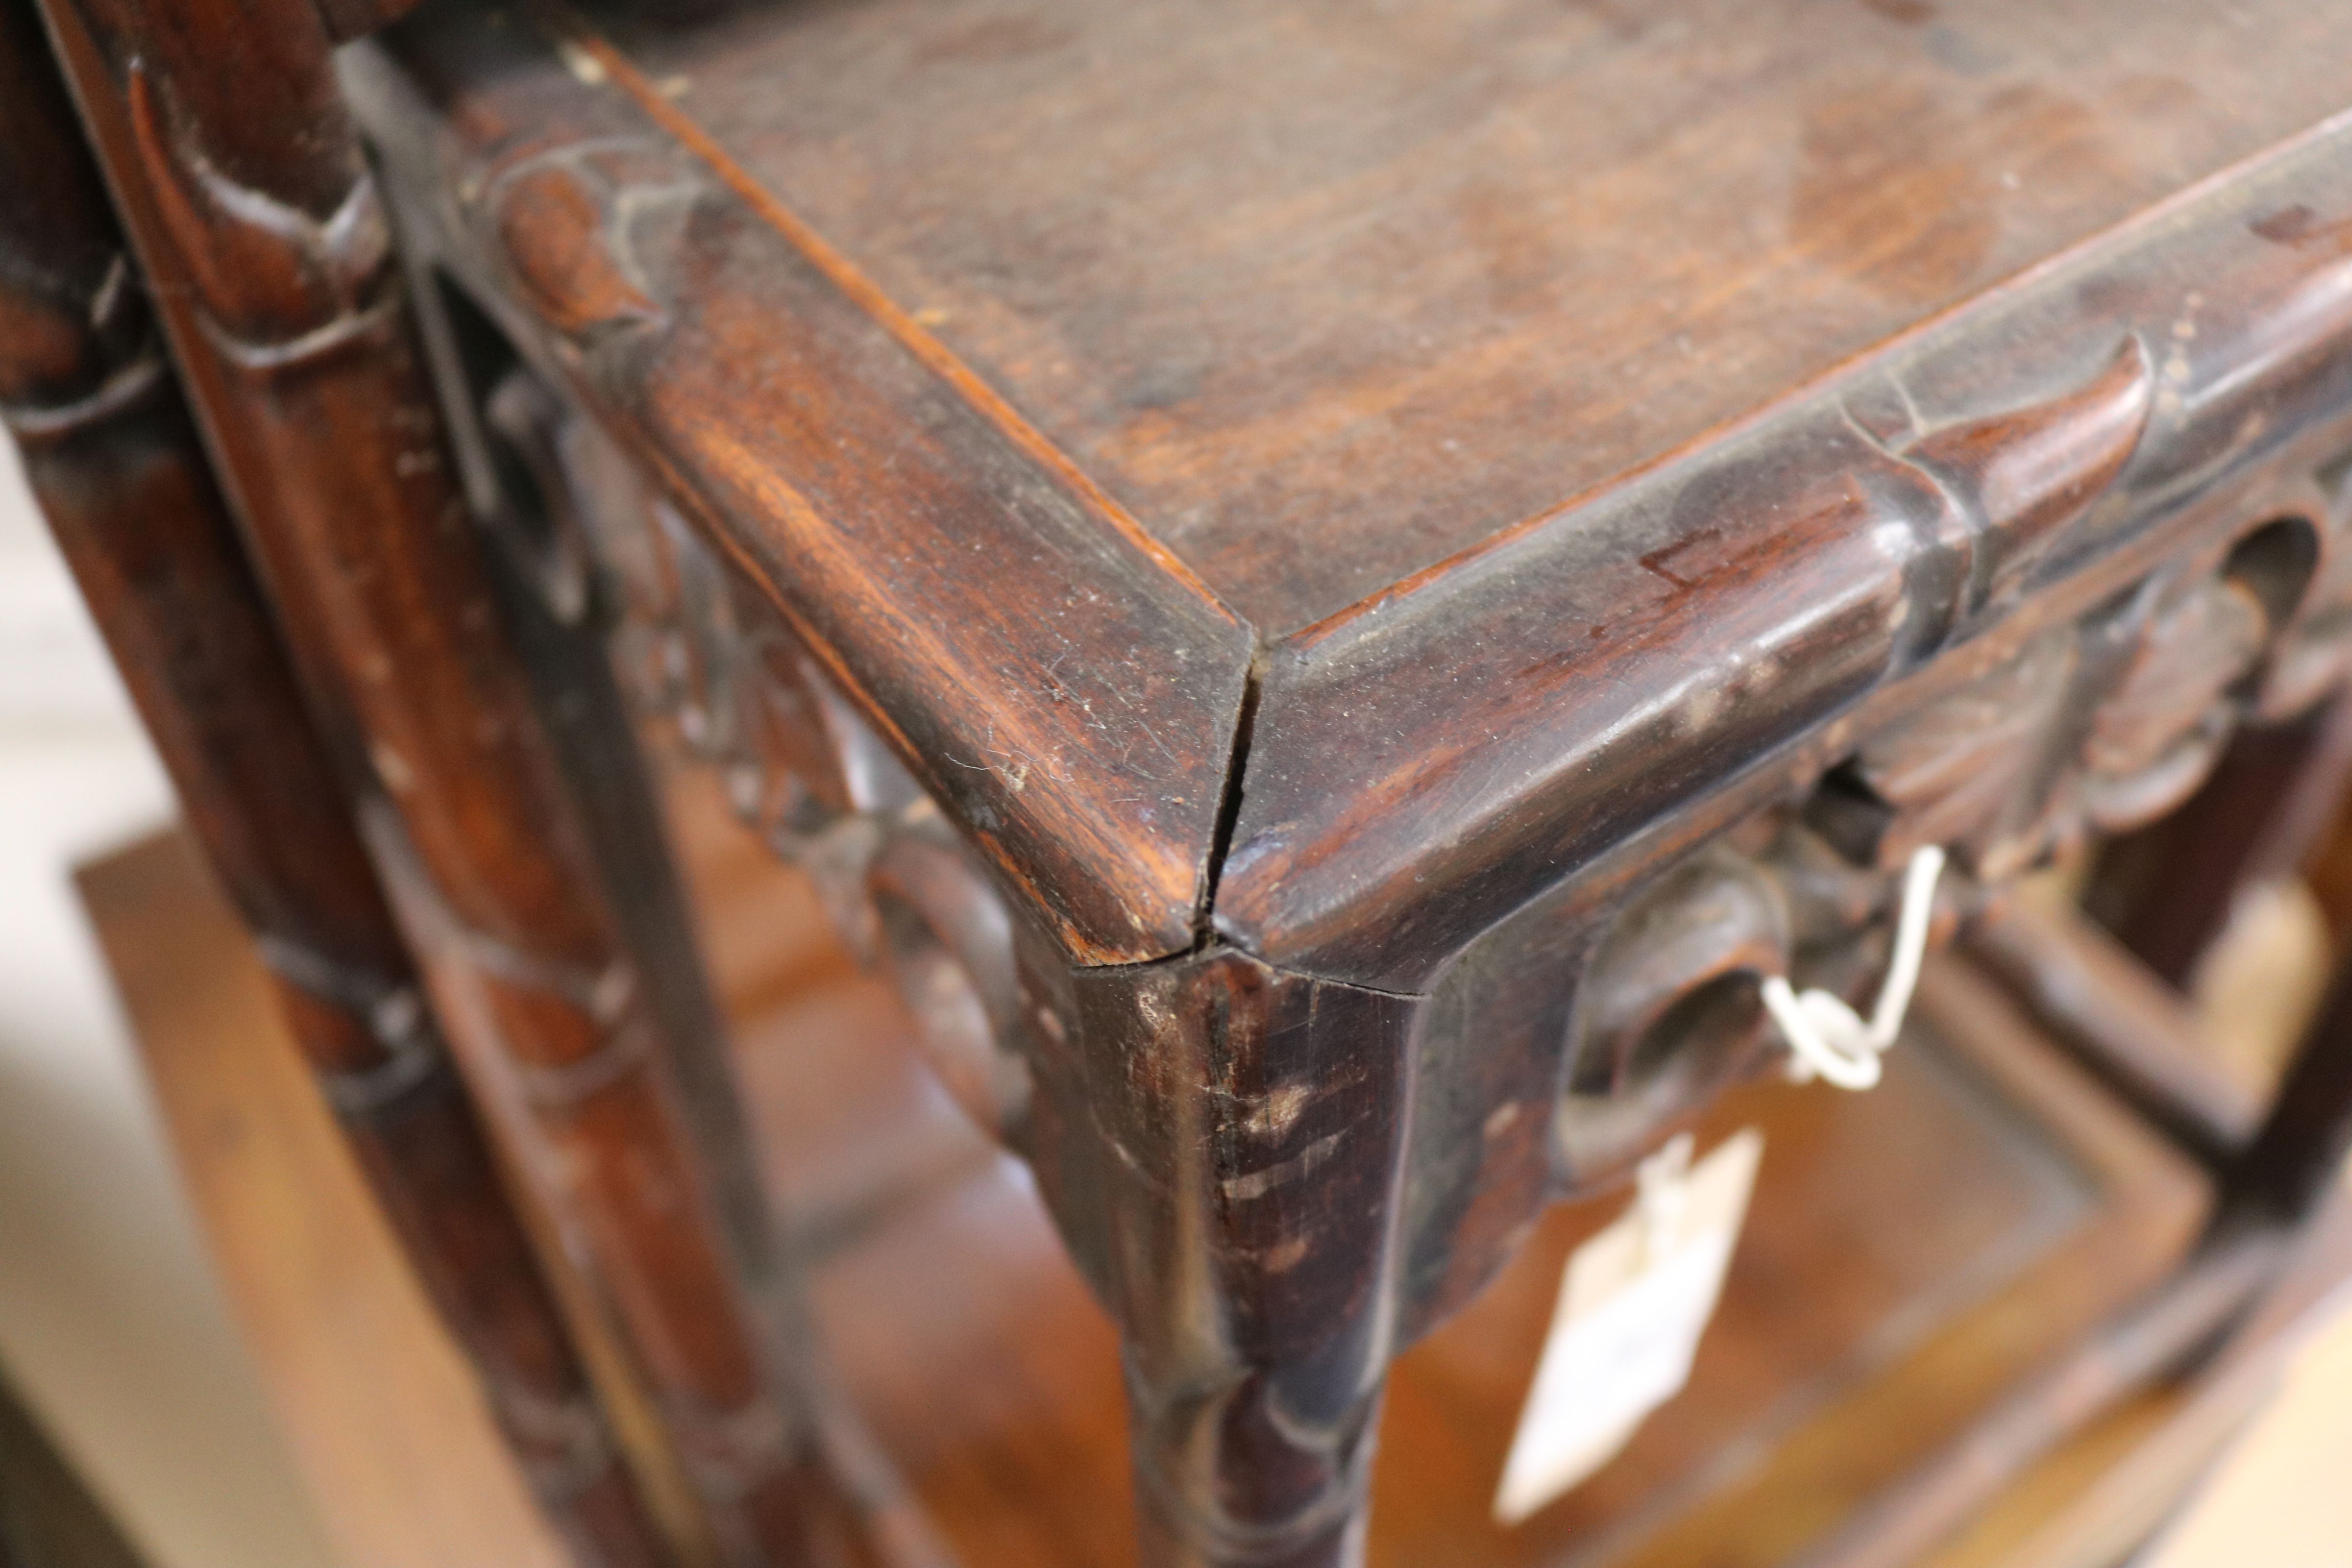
(1408, 558)
(1330, 589)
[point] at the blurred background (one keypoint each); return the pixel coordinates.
(114, 1331)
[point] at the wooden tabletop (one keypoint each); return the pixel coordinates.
(1325, 476)
(1322, 292)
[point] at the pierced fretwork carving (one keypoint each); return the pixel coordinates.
(2097, 727)
(702, 652)
(1670, 1008)
(2313, 656)
(2091, 728)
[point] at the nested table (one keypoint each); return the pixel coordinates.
(1333, 588)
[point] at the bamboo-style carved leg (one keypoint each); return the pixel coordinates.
(116, 465)
(248, 198)
(1224, 1146)
(560, 626)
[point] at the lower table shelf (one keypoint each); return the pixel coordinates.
(1912, 1257)
(1910, 1254)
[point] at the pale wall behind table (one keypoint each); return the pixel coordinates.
(112, 1325)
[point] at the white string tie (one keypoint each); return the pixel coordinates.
(1829, 1039)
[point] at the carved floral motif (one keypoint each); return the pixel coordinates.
(2092, 728)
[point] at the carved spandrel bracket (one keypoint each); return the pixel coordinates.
(592, 232)
(2096, 727)
(1670, 1010)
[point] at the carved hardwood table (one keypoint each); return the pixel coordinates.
(1331, 590)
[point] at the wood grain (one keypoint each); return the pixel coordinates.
(1546, 697)
(1951, 468)
(1053, 678)
(1324, 296)
(1473, 632)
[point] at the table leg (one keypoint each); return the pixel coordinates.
(248, 197)
(115, 463)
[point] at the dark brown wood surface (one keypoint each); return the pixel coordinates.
(1054, 677)
(1985, 1155)
(1728, 626)
(1428, 759)
(1322, 296)
(1993, 565)
(1458, 496)
(114, 461)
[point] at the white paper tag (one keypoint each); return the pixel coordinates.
(1633, 1305)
